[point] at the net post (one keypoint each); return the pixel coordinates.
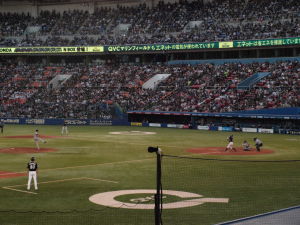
(158, 195)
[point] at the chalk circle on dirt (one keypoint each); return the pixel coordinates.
(24, 150)
(133, 133)
(221, 151)
(108, 199)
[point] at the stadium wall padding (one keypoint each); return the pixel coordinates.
(292, 113)
(278, 111)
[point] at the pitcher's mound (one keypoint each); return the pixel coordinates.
(22, 150)
(221, 151)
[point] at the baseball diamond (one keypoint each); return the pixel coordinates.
(89, 163)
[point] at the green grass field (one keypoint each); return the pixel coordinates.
(91, 161)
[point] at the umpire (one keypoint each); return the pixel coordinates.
(32, 167)
(258, 144)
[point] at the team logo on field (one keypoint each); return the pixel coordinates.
(181, 199)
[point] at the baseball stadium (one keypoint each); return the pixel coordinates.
(150, 112)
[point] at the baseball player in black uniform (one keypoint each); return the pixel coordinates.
(258, 144)
(230, 144)
(32, 167)
(64, 129)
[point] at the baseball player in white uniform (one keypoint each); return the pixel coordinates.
(32, 167)
(37, 139)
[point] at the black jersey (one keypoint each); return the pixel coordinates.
(230, 138)
(32, 166)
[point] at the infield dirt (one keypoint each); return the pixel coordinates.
(221, 151)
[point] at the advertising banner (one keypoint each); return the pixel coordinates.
(10, 121)
(136, 124)
(52, 50)
(175, 126)
(95, 122)
(225, 128)
(203, 127)
(150, 47)
(154, 125)
(267, 42)
(100, 122)
(161, 47)
(249, 129)
(35, 121)
(266, 131)
(226, 44)
(293, 132)
(76, 122)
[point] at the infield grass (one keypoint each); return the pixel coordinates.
(121, 162)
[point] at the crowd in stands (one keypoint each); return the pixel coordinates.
(26, 90)
(13, 24)
(165, 23)
(200, 88)
(208, 88)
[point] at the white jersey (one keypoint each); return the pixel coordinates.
(36, 136)
(258, 142)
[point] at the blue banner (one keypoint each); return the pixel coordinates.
(289, 131)
(225, 128)
(283, 113)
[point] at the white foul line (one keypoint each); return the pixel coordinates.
(28, 192)
(55, 181)
(83, 166)
(110, 181)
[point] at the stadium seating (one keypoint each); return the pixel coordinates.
(200, 88)
(164, 23)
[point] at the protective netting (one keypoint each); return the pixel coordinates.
(212, 190)
(108, 216)
(251, 188)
